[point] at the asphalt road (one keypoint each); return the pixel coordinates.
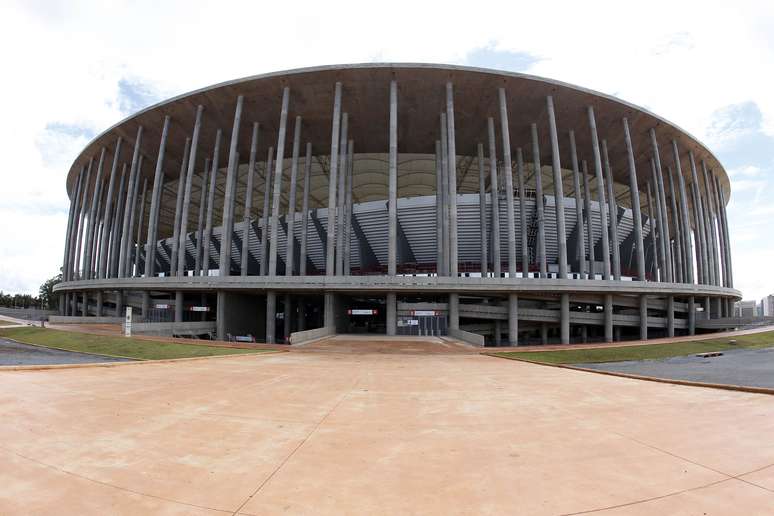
(749, 367)
(13, 353)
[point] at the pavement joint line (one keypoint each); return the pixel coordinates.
(667, 495)
(107, 484)
(293, 452)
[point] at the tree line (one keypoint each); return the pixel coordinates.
(45, 299)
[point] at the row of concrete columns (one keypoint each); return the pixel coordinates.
(103, 223)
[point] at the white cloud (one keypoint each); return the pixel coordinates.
(75, 68)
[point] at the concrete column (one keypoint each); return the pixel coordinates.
(332, 179)
(271, 316)
(691, 316)
(565, 318)
(265, 215)
(643, 317)
(93, 216)
(662, 201)
(696, 236)
(153, 216)
(495, 196)
(445, 205)
(210, 205)
(69, 236)
(678, 254)
(275, 205)
(508, 176)
(710, 223)
(541, 236)
(200, 222)
(119, 303)
(139, 227)
(589, 221)
(179, 306)
(231, 177)
(132, 214)
(291, 220)
(723, 277)
(340, 195)
(115, 242)
(452, 147)
(561, 232)
(513, 320)
(85, 305)
(392, 314)
(249, 201)
(608, 318)
(727, 250)
(81, 223)
(543, 333)
(287, 319)
(709, 238)
(454, 311)
(100, 301)
(701, 241)
(634, 192)
(662, 241)
(482, 211)
(652, 219)
(103, 251)
(392, 201)
(522, 214)
(179, 208)
(439, 205)
(580, 249)
(497, 333)
(145, 304)
(612, 207)
(305, 219)
(600, 195)
(125, 232)
(183, 236)
(348, 207)
(670, 316)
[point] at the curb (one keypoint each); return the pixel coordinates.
(688, 383)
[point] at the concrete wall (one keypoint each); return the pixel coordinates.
(77, 319)
(300, 337)
(470, 338)
(168, 329)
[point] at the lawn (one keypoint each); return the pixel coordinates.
(116, 346)
(644, 352)
(6, 323)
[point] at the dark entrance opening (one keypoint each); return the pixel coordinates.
(362, 315)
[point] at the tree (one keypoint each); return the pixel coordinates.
(47, 299)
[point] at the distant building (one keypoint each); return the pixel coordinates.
(746, 309)
(767, 306)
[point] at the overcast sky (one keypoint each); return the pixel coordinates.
(73, 68)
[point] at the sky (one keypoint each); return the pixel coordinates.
(73, 68)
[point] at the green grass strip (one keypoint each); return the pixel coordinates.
(116, 346)
(644, 352)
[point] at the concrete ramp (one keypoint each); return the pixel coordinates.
(381, 344)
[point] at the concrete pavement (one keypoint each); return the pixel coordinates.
(350, 429)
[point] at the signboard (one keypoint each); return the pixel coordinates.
(362, 311)
(200, 308)
(128, 322)
(424, 313)
(162, 306)
(413, 322)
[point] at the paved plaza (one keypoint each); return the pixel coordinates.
(352, 426)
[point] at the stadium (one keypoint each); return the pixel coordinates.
(400, 199)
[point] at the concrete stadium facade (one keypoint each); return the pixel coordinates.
(495, 207)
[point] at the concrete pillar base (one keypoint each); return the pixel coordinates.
(608, 318)
(513, 320)
(100, 301)
(565, 318)
(392, 314)
(179, 306)
(271, 317)
(454, 311)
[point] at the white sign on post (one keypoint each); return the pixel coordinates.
(128, 322)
